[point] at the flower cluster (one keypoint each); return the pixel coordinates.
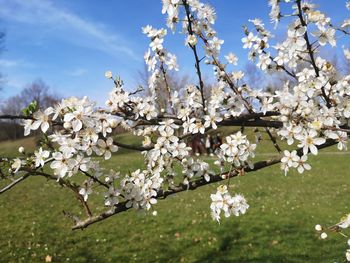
(157, 58)
(195, 168)
(293, 160)
(140, 189)
(236, 150)
(222, 201)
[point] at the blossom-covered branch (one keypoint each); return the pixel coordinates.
(310, 111)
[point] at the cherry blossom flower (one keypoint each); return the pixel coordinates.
(86, 190)
(40, 157)
(171, 62)
(76, 118)
(264, 61)
(106, 147)
(216, 43)
(308, 141)
(192, 40)
(196, 126)
(16, 165)
(212, 119)
(302, 165)
(42, 120)
(290, 158)
(62, 164)
(347, 254)
(248, 40)
(318, 227)
(345, 222)
(231, 58)
(157, 44)
(326, 35)
(111, 197)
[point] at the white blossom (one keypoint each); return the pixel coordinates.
(40, 157)
(309, 141)
(42, 119)
(16, 165)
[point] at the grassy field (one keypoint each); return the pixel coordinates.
(278, 227)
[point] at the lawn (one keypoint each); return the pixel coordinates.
(278, 227)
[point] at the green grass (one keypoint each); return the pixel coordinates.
(278, 227)
(10, 148)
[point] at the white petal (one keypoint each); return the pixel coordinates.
(313, 149)
(45, 126)
(108, 155)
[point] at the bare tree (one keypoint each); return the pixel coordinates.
(254, 77)
(37, 91)
(172, 82)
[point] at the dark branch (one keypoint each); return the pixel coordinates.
(16, 117)
(121, 207)
(311, 52)
(195, 53)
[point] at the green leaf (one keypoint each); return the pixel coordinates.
(32, 107)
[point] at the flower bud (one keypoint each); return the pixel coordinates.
(21, 149)
(318, 227)
(347, 254)
(108, 74)
(324, 235)
(192, 40)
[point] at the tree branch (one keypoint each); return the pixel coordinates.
(69, 185)
(311, 52)
(95, 179)
(15, 117)
(194, 50)
(121, 207)
(133, 147)
(12, 184)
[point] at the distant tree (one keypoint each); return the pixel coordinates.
(37, 91)
(170, 82)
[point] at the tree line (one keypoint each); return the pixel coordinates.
(37, 91)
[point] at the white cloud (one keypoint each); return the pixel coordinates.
(16, 84)
(76, 72)
(70, 26)
(6, 63)
(12, 87)
(13, 63)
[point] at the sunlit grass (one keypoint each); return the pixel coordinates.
(278, 227)
(10, 148)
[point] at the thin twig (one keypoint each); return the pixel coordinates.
(13, 183)
(311, 52)
(195, 53)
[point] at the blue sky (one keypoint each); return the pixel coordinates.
(70, 44)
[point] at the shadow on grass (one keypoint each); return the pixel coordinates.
(234, 247)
